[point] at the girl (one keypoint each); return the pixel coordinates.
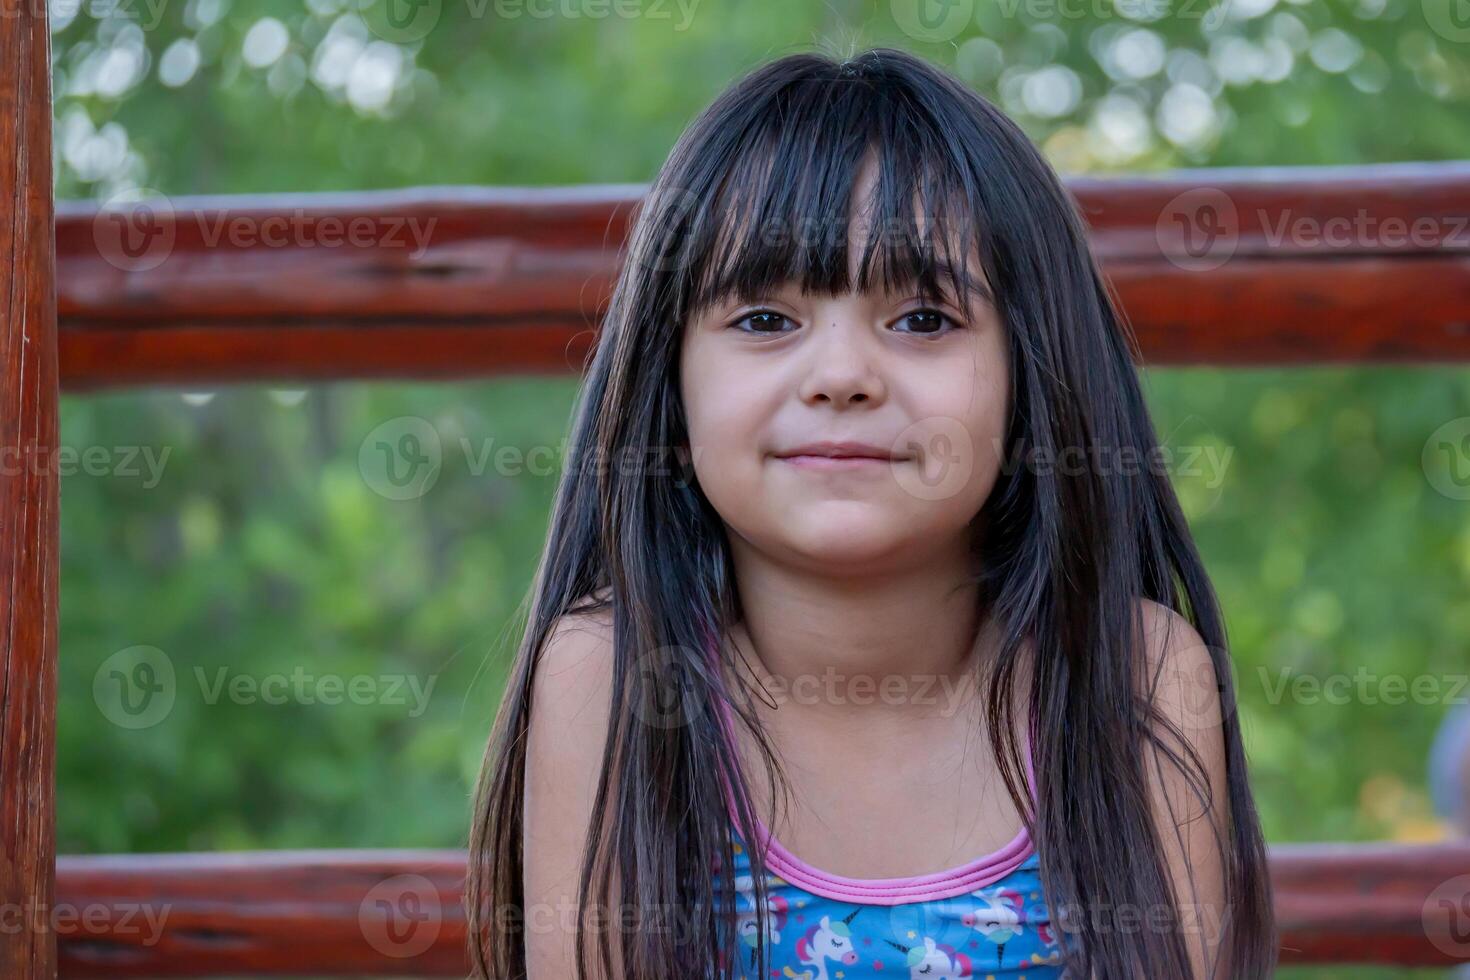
(849, 496)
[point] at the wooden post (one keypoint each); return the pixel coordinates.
(29, 496)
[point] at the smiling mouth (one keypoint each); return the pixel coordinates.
(838, 462)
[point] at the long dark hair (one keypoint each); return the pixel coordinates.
(1068, 553)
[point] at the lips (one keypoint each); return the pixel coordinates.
(841, 451)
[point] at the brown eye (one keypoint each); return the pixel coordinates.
(762, 321)
(926, 321)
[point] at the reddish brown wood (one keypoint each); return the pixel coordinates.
(29, 503)
(426, 283)
(1373, 903)
(296, 913)
(278, 913)
(515, 280)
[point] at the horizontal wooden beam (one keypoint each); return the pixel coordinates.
(1386, 903)
(394, 913)
(1222, 266)
(263, 913)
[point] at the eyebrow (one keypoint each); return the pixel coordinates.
(944, 272)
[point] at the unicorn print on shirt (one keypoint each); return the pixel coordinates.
(935, 961)
(826, 942)
(770, 920)
(998, 918)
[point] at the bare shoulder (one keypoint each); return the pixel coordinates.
(565, 742)
(1181, 679)
(1190, 805)
(1170, 636)
(578, 633)
(572, 686)
(1180, 665)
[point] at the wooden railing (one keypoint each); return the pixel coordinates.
(1286, 266)
(1237, 267)
(396, 913)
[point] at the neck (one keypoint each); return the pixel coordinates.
(904, 642)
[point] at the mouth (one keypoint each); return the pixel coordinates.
(836, 462)
(830, 456)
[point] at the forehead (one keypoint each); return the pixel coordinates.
(813, 215)
(955, 249)
(878, 254)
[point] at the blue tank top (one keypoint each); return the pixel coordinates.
(1000, 929)
(985, 918)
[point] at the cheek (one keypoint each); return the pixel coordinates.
(957, 432)
(724, 433)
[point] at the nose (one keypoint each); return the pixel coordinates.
(842, 368)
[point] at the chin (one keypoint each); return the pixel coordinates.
(856, 542)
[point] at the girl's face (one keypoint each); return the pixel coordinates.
(925, 384)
